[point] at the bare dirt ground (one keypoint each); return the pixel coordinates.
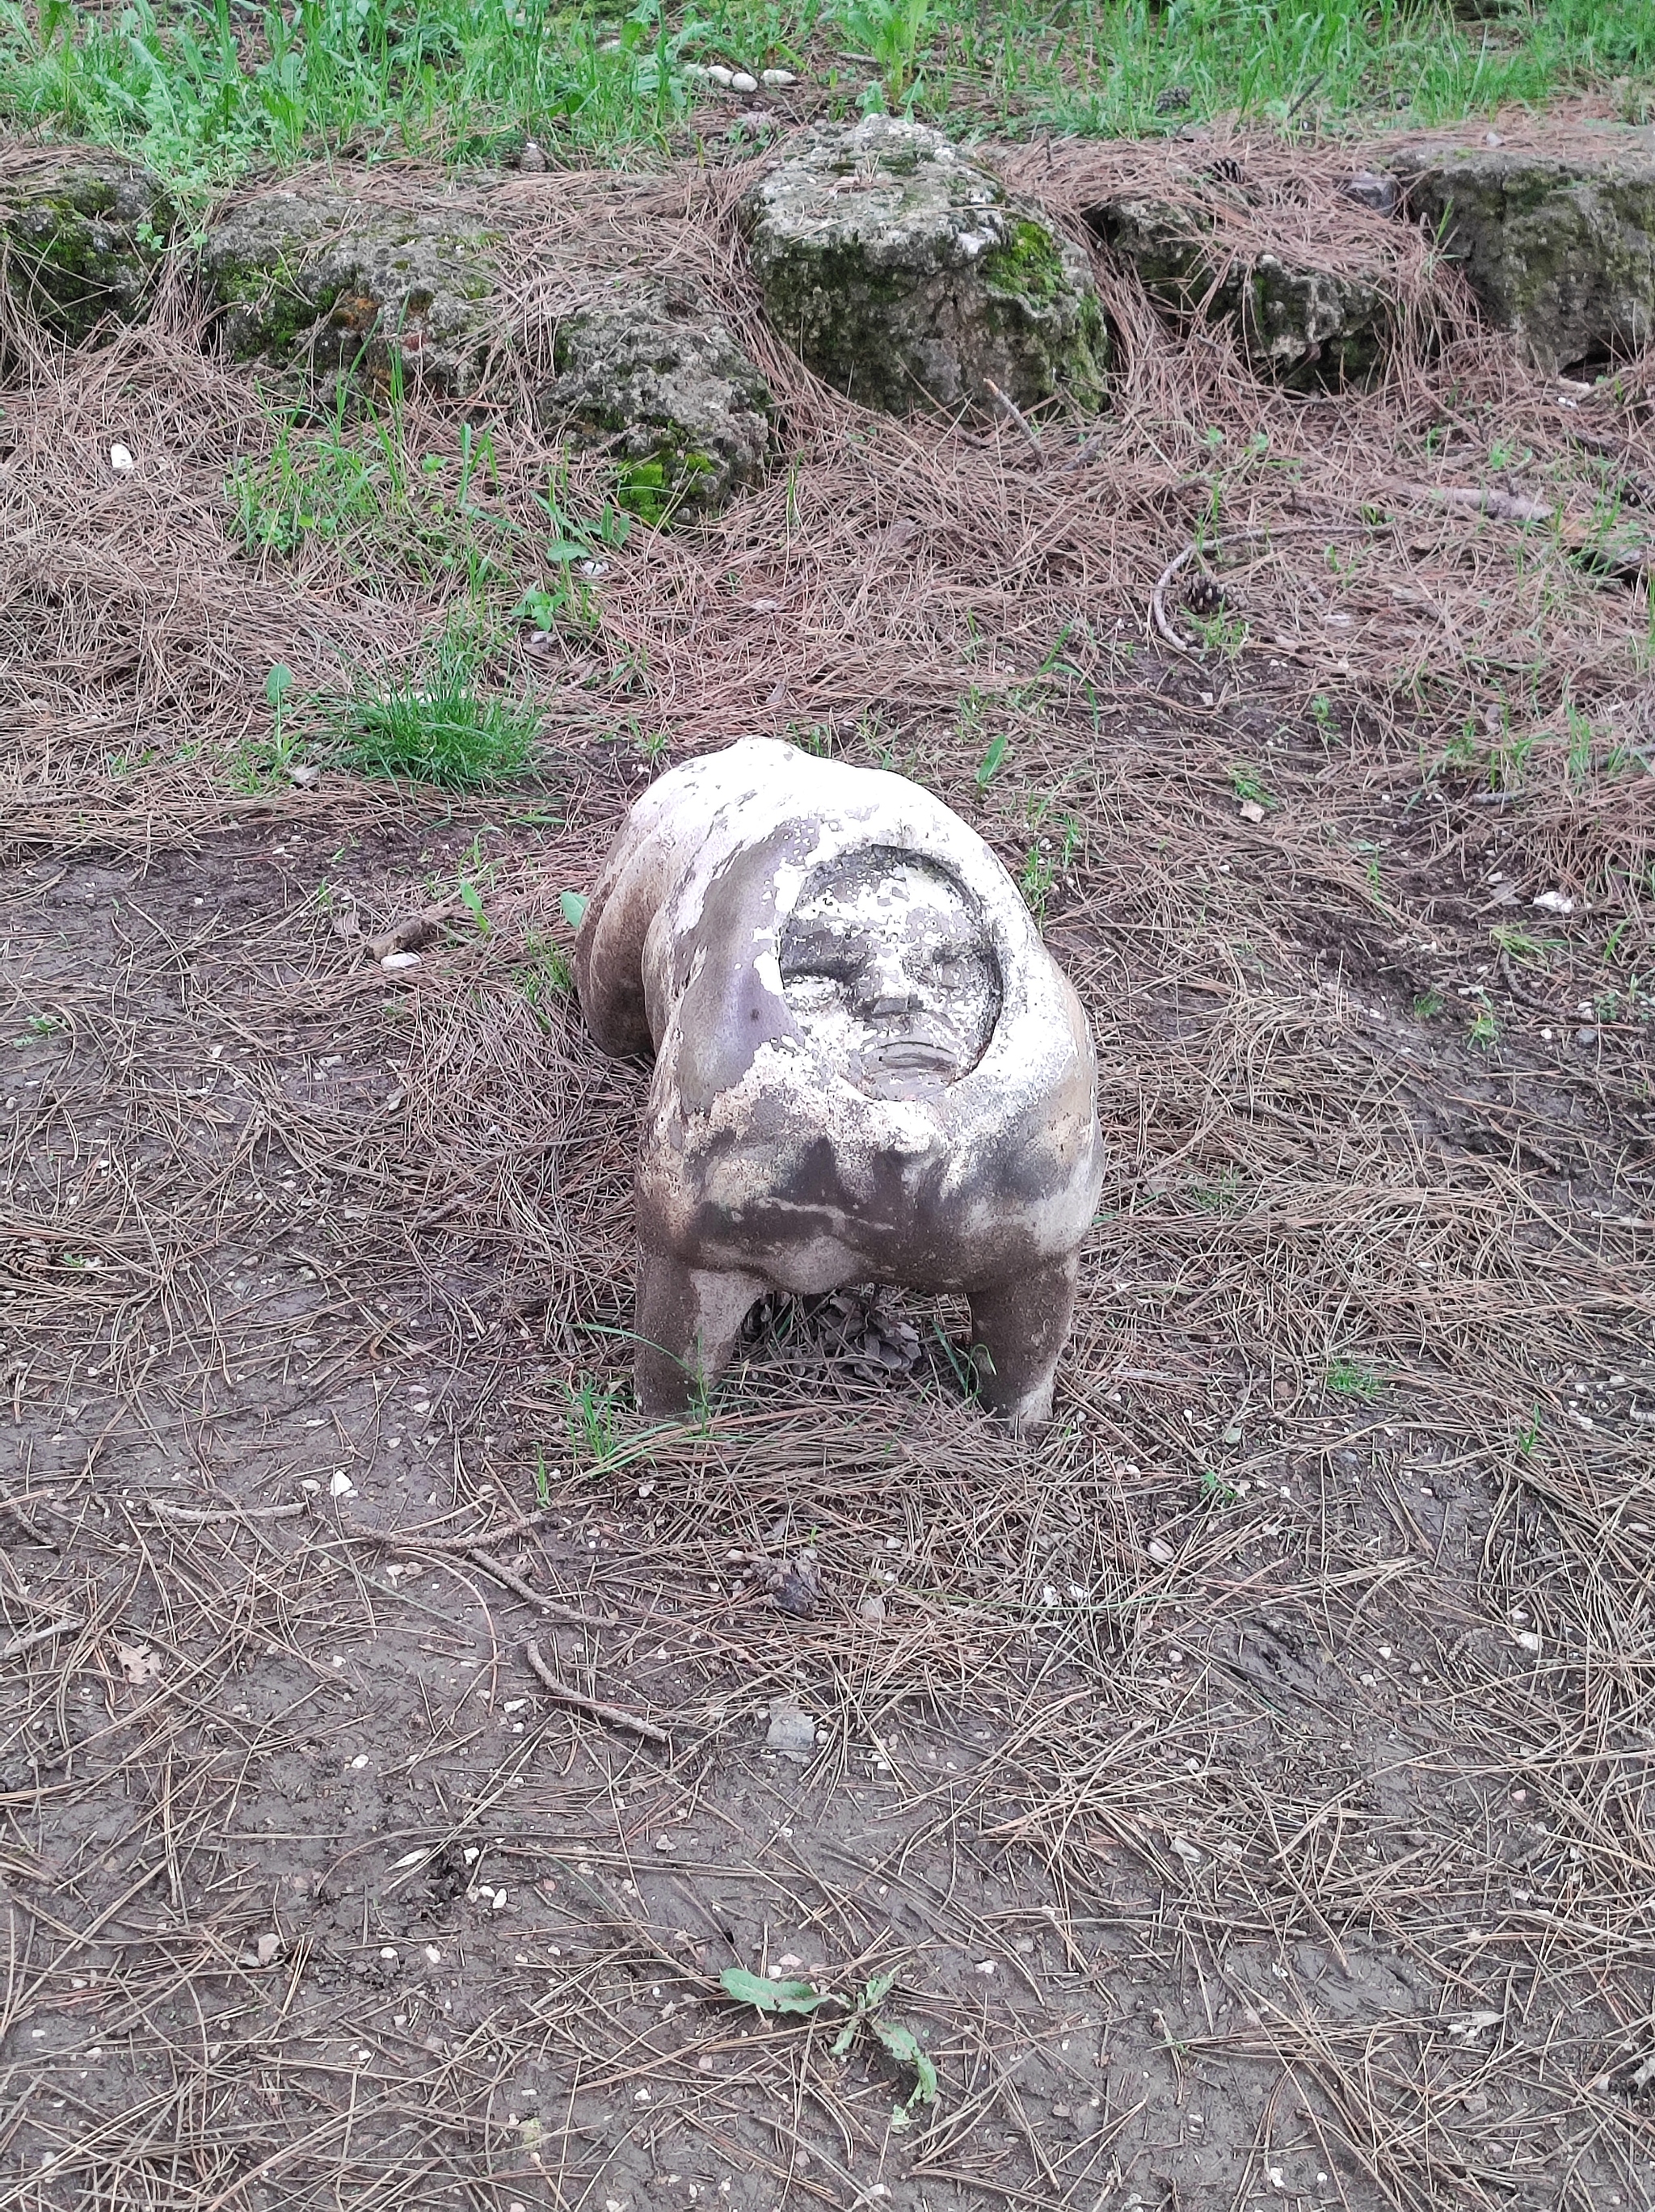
(1247, 1781)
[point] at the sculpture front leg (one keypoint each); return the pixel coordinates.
(687, 1320)
(1023, 1326)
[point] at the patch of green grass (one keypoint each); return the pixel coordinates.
(544, 975)
(1484, 1029)
(439, 724)
(1352, 1378)
(203, 92)
(349, 483)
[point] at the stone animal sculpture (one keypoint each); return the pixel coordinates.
(868, 1067)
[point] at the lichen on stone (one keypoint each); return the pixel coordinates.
(323, 285)
(84, 233)
(1297, 324)
(906, 275)
(1559, 250)
(651, 374)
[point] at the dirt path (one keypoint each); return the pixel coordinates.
(1230, 1778)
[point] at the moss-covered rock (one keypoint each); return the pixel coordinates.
(83, 235)
(1299, 325)
(1559, 249)
(652, 374)
(907, 276)
(321, 283)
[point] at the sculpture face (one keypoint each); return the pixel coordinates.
(889, 974)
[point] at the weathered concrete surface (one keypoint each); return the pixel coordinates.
(319, 282)
(1297, 324)
(1559, 248)
(654, 376)
(83, 235)
(907, 276)
(868, 1067)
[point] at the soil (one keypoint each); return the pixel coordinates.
(1244, 1782)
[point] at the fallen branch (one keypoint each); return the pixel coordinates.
(26, 1521)
(553, 1608)
(418, 1540)
(1629, 564)
(413, 930)
(1158, 599)
(1502, 506)
(1014, 414)
(19, 1645)
(216, 1515)
(612, 1716)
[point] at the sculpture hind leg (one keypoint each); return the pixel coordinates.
(1023, 1326)
(687, 1320)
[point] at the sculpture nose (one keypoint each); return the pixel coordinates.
(888, 987)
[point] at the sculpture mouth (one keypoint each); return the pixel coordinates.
(908, 1067)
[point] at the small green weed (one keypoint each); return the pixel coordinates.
(544, 976)
(1521, 944)
(438, 725)
(1248, 785)
(1215, 1491)
(804, 1998)
(591, 1421)
(993, 761)
(888, 33)
(1043, 870)
(1429, 1005)
(1221, 633)
(1352, 1378)
(1484, 1029)
(1222, 1196)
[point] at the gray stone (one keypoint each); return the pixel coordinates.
(1559, 249)
(791, 1731)
(867, 1066)
(907, 276)
(1370, 189)
(83, 235)
(1301, 326)
(655, 377)
(320, 283)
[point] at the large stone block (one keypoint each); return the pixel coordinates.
(907, 276)
(652, 376)
(1559, 248)
(867, 1066)
(84, 232)
(1297, 324)
(319, 282)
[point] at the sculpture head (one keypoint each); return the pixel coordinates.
(889, 974)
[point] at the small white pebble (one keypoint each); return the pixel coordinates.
(394, 963)
(777, 77)
(120, 459)
(743, 81)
